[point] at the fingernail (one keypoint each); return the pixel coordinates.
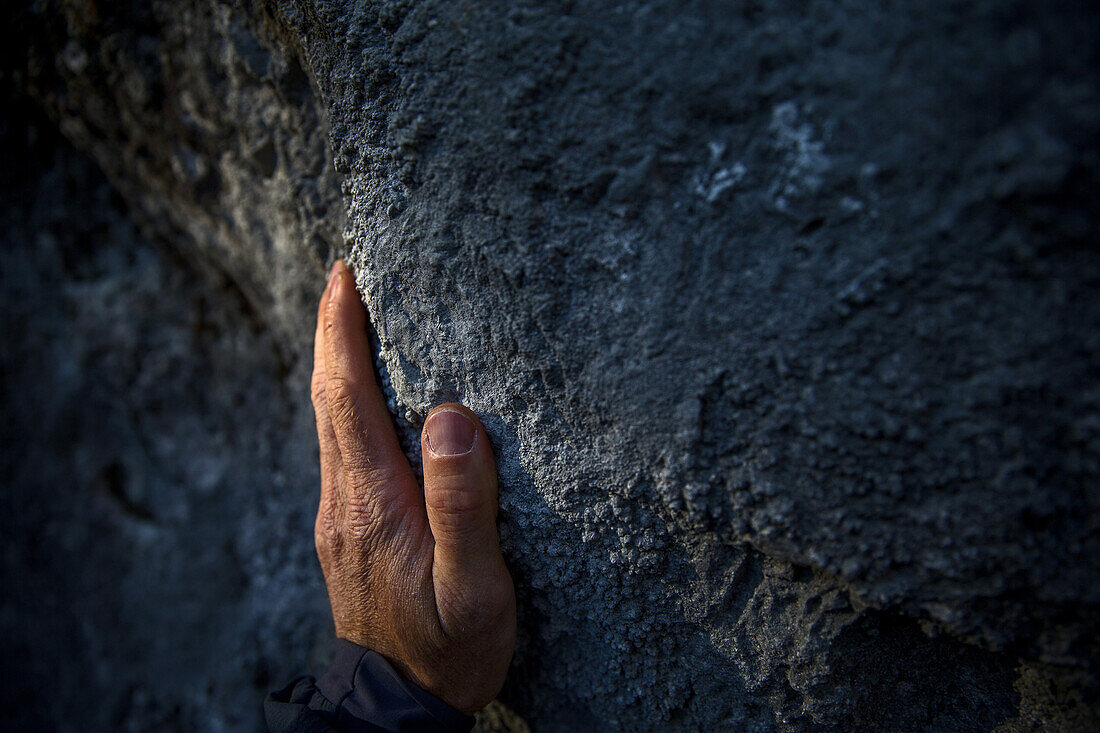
(450, 433)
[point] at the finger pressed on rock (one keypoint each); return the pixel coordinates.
(460, 493)
(377, 472)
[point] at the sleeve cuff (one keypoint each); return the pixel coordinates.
(370, 695)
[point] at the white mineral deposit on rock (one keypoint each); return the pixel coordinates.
(743, 384)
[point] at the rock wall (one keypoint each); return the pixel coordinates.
(783, 317)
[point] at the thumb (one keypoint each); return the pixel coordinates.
(460, 494)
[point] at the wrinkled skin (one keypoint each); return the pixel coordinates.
(417, 577)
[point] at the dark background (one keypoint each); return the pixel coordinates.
(156, 460)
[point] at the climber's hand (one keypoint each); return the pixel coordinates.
(416, 577)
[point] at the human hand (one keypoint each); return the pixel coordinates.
(418, 578)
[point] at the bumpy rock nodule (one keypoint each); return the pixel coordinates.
(783, 317)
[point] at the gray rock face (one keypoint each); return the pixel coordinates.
(783, 317)
(153, 462)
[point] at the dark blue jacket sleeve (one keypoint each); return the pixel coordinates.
(360, 693)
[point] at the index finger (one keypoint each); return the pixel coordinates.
(381, 485)
(331, 464)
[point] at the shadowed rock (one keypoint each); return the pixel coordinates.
(783, 316)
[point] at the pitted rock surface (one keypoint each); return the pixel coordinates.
(783, 316)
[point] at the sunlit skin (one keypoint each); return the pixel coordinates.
(417, 576)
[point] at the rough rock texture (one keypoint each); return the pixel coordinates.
(783, 317)
(156, 471)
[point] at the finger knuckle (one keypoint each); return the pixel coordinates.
(322, 544)
(359, 516)
(317, 393)
(456, 501)
(329, 545)
(342, 397)
(368, 472)
(324, 528)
